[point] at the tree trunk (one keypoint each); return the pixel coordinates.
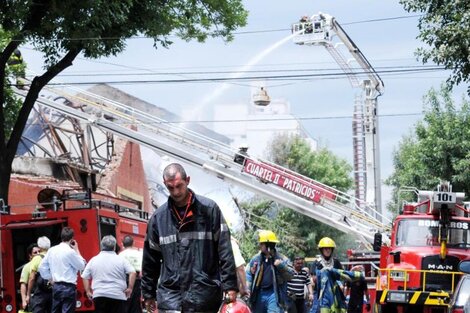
(7, 155)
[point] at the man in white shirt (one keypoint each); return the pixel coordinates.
(108, 272)
(134, 256)
(61, 264)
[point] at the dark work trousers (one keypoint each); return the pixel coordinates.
(300, 305)
(297, 305)
(107, 305)
(133, 304)
(64, 297)
(355, 308)
(41, 302)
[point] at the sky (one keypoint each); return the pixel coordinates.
(383, 30)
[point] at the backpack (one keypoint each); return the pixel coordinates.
(41, 284)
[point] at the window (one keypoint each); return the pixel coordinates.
(425, 232)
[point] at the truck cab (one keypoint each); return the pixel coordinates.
(419, 269)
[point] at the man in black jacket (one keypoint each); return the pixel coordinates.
(187, 251)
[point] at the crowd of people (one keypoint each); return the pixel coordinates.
(189, 263)
(48, 282)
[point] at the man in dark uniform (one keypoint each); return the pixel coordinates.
(356, 291)
(187, 251)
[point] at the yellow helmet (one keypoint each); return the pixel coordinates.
(267, 236)
(326, 242)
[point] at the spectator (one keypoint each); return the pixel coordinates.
(39, 294)
(32, 250)
(297, 285)
(240, 267)
(61, 264)
(134, 257)
(267, 276)
(187, 251)
(108, 271)
(356, 291)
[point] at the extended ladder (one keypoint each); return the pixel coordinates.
(282, 185)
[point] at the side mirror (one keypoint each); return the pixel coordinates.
(377, 241)
(396, 256)
(464, 266)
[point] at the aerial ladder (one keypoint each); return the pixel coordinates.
(323, 30)
(300, 193)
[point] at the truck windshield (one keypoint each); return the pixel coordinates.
(425, 232)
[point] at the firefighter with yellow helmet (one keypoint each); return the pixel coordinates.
(326, 271)
(267, 275)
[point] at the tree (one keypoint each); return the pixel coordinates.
(438, 149)
(15, 68)
(298, 235)
(64, 29)
(445, 28)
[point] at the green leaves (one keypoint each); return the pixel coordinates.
(439, 147)
(100, 27)
(298, 234)
(445, 28)
(63, 29)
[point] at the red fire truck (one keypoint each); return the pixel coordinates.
(419, 270)
(91, 215)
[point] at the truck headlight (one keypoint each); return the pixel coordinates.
(399, 297)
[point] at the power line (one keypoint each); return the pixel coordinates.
(220, 66)
(293, 118)
(292, 77)
(244, 72)
(248, 32)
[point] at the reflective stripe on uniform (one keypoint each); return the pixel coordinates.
(223, 227)
(194, 235)
(167, 240)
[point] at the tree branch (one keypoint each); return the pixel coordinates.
(36, 13)
(36, 86)
(4, 57)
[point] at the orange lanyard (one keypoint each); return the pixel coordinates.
(187, 213)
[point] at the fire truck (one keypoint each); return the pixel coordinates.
(419, 269)
(90, 214)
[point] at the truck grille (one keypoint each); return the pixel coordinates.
(439, 281)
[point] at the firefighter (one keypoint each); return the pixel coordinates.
(357, 291)
(15, 62)
(16, 58)
(329, 296)
(187, 251)
(326, 246)
(267, 276)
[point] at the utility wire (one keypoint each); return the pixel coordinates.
(248, 32)
(246, 71)
(220, 66)
(250, 78)
(293, 118)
